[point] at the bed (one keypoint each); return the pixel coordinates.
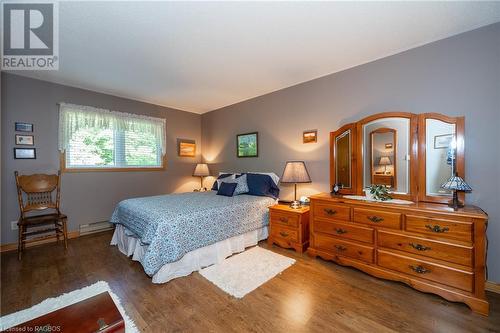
(175, 234)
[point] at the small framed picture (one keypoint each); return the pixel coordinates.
(443, 141)
(310, 136)
(388, 146)
(24, 127)
(187, 148)
(24, 153)
(247, 145)
(25, 140)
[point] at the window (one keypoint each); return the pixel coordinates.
(94, 139)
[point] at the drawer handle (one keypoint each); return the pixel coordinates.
(340, 248)
(284, 234)
(419, 247)
(374, 218)
(330, 211)
(284, 219)
(437, 228)
(419, 269)
(340, 231)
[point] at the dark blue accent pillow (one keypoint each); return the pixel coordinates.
(262, 185)
(215, 185)
(227, 189)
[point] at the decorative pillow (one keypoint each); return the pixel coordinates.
(215, 186)
(241, 184)
(226, 189)
(262, 185)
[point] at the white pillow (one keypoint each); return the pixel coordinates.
(241, 187)
(227, 179)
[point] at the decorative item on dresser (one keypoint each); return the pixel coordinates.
(455, 184)
(425, 244)
(289, 227)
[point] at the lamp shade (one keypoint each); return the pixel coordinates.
(201, 170)
(295, 172)
(385, 160)
(456, 183)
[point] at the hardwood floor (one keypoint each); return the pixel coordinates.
(311, 296)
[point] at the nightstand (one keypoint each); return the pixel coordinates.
(288, 227)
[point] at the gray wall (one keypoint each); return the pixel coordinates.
(86, 197)
(455, 76)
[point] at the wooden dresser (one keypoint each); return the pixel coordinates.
(428, 246)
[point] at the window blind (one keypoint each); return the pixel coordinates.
(97, 138)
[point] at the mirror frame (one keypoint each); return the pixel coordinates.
(412, 183)
(333, 154)
(417, 182)
(459, 123)
(394, 152)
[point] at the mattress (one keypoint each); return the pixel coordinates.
(173, 225)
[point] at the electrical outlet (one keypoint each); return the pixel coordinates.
(13, 225)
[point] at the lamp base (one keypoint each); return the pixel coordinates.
(455, 203)
(295, 204)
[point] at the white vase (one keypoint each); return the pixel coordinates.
(368, 195)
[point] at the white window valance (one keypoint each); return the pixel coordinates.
(74, 117)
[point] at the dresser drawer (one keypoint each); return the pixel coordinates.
(343, 248)
(427, 270)
(337, 212)
(440, 228)
(345, 230)
(285, 233)
(439, 250)
(291, 219)
(377, 218)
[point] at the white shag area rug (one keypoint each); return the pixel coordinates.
(53, 304)
(240, 274)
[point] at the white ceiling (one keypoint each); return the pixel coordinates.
(200, 56)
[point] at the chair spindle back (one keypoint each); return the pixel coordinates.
(39, 189)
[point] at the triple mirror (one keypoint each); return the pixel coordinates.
(401, 151)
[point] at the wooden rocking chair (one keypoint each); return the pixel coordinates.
(39, 196)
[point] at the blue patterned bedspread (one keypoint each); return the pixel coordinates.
(175, 224)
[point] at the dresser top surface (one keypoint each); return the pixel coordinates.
(468, 210)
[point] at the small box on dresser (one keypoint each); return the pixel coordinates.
(289, 227)
(428, 246)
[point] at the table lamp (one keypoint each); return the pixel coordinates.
(385, 161)
(295, 172)
(456, 183)
(201, 170)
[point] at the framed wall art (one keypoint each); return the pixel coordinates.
(23, 127)
(25, 140)
(443, 141)
(310, 136)
(24, 153)
(187, 148)
(247, 145)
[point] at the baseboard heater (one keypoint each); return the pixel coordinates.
(91, 228)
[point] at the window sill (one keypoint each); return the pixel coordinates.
(64, 169)
(81, 170)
